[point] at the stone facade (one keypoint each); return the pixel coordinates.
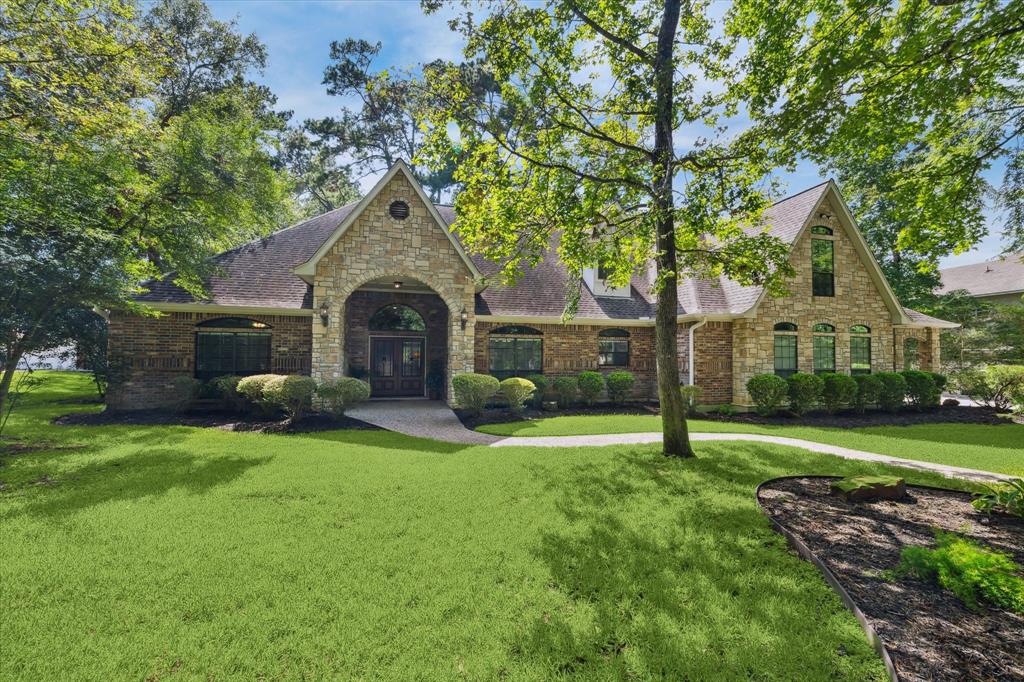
(572, 348)
(156, 351)
(377, 245)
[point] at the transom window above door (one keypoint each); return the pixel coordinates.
(397, 318)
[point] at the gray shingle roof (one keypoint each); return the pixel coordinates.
(920, 318)
(1002, 276)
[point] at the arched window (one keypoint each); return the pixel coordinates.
(821, 229)
(613, 348)
(824, 348)
(860, 349)
(911, 360)
(515, 351)
(232, 345)
(785, 349)
(397, 318)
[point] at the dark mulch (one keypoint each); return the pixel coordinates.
(220, 420)
(930, 634)
(503, 415)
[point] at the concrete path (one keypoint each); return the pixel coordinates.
(435, 420)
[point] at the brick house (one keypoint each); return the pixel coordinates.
(383, 289)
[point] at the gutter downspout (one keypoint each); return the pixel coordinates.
(693, 328)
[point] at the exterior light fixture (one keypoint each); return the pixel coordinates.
(398, 284)
(463, 318)
(325, 312)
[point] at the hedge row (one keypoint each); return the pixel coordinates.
(474, 391)
(891, 391)
(268, 395)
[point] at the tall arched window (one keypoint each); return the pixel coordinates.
(397, 318)
(515, 351)
(911, 360)
(860, 349)
(232, 345)
(824, 348)
(613, 348)
(785, 349)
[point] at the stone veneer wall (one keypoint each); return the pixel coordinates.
(572, 348)
(377, 245)
(158, 350)
(856, 301)
(928, 356)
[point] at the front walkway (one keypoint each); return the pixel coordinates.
(435, 420)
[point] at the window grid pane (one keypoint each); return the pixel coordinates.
(824, 354)
(823, 267)
(512, 356)
(860, 355)
(785, 355)
(613, 352)
(220, 353)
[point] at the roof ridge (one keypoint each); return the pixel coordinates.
(803, 191)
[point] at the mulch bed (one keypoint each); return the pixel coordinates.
(928, 631)
(503, 415)
(218, 420)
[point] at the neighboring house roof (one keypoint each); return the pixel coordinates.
(272, 273)
(990, 278)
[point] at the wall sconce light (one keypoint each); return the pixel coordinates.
(463, 318)
(398, 284)
(325, 312)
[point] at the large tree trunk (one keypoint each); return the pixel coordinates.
(676, 439)
(5, 381)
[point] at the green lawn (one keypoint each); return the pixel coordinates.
(977, 446)
(180, 553)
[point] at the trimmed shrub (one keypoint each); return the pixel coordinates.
(517, 391)
(292, 393)
(183, 391)
(340, 394)
(590, 385)
(804, 391)
(251, 388)
(997, 386)
(838, 391)
(920, 389)
(894, 391)
(869, 387)
(619, 385)
(768, 392)
(542, 384)
(472, 391)
(691, 397)
(226, 388)
(565, 389)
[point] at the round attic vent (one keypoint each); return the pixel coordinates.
(399, 210)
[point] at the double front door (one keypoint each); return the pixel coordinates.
(396, 366)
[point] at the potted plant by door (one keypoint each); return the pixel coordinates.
(435, 379)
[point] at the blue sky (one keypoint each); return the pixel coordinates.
(298, 35)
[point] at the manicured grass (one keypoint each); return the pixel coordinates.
(172, 552)
(977, 446)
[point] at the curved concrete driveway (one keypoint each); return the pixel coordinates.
(435, 420)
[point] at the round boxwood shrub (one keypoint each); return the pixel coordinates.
(251, 388)
(619, 385)
(565, 389)
(472, 391)
(804, 391)
(768, 392)
(920, 389)
(590, 385)
(517, 391)
(292, 393)
(226, 388)
(838, 391)
(894, 391)
(340, 394)
(869, 387)
(542, 384)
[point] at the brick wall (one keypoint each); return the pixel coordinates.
(571, 349)
(157, 350)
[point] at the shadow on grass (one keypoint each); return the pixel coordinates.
(386, 440)
(669, 569)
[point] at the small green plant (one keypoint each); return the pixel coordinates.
(894, 391)
(921, 391)
(291, 393)
(251, 388)
(971, 572)
(619, 385)
(590, 385)
(184, 389)
(340, 394)
(768, 392)
(542, 384)
(517, 391)
(838, 391)
(691, 398)
(1005, 499)
(804, 392)
(472, 391)
(724, 410)
(997, 386)
(869, 388)
(226, 388)
(565, 389)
